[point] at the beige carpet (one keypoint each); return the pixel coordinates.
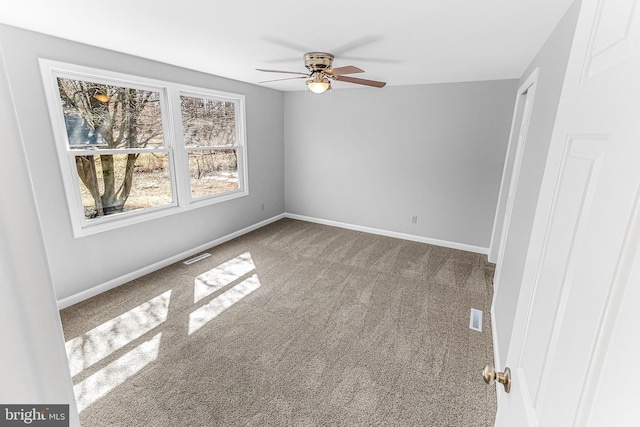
(294, 324)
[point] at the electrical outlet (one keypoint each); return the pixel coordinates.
(414, 220)
(262, 206)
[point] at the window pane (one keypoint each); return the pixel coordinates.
(110, 117)
(118, 183)
(208, 122)
(213, 171)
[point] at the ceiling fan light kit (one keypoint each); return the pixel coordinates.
(318, 84)
(321, 73)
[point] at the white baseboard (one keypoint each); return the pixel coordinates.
(413, 238)
(88, 293)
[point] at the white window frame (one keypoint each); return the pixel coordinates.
(172, 135)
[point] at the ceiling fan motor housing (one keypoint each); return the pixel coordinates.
(317, 61)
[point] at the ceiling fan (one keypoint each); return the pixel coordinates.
(320, 73)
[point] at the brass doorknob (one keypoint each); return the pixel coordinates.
(490, 376)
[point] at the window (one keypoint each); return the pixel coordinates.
(210, 138)
(116, 141)
(133, 149)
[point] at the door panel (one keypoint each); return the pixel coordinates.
(572, 205)
(614, 36)
(591, 282)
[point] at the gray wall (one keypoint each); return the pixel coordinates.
(33, 361)
(80, 264)
(376, 157)
(552, 61)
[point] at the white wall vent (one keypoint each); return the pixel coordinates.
(475, 321)
(196, 258)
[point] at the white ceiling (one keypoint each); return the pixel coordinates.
(401, 42)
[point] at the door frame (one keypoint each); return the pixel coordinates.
(517, 141)
(517, 136)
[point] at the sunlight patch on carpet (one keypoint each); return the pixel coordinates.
(98, 343)
(222, 275)
(115, 373)
(213, 308)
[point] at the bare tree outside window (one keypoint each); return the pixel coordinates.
(113, 129)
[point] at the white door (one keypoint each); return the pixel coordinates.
(585, 236)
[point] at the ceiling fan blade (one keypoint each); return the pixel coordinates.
(355, 44)
(369, 59)
(288, 78)
(359, 81)
(279, 71)
(349, 69)
(287, 44)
